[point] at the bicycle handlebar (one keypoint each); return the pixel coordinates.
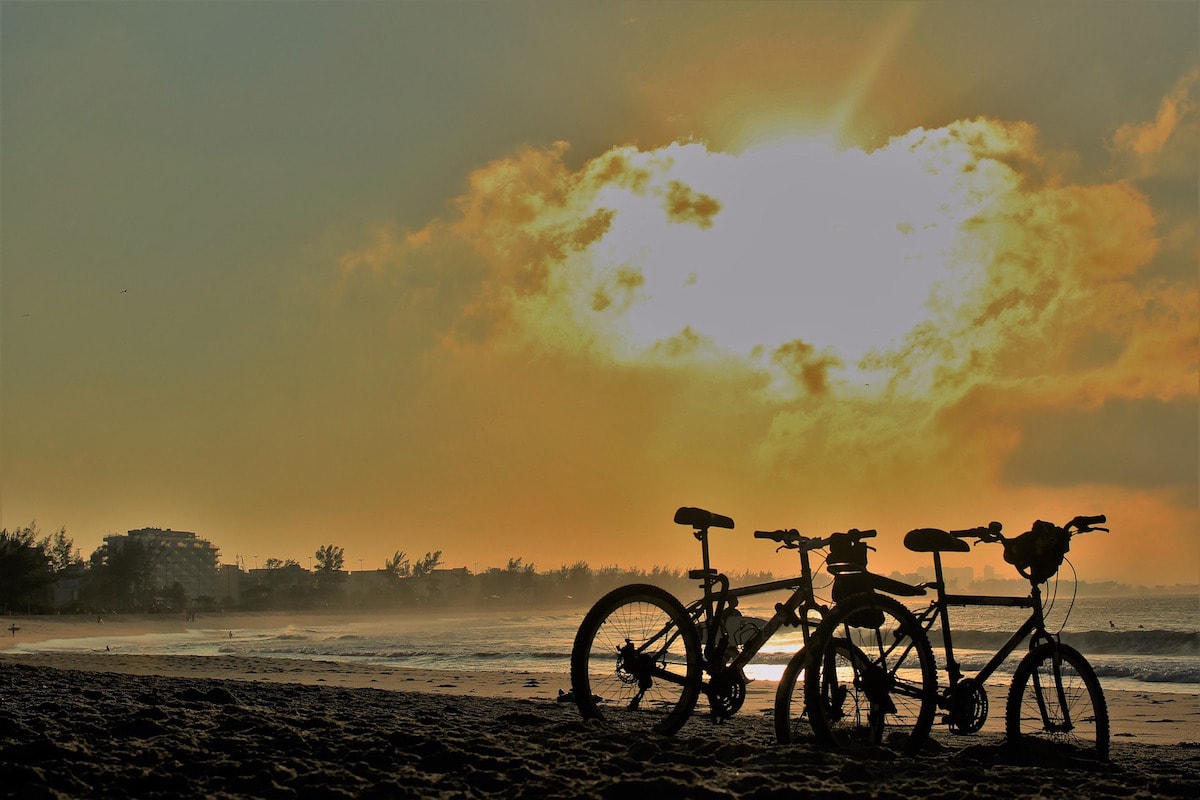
(992, 533)
(1084, 523)
(984, 533)
(793, 538)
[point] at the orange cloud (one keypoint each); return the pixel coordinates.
(945, 313)
(1175, 127)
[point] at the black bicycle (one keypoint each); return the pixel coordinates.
(1054, 697)
(641, 658)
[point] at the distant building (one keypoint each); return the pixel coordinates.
(229, 584)
(179, 557)
(444, 585)
(66, 592)
(955, 577)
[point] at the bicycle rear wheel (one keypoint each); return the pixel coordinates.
(870, 677)
(636, 661)
(1056, 700)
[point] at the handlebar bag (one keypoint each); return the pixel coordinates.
(1038, 552)
(846, 554)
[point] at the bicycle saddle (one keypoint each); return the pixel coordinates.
(700, 519)
(934, 540)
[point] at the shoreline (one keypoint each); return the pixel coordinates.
(81, 728)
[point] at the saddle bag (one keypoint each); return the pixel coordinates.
(852, 583)
(848, 563)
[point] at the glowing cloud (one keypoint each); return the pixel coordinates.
(1148, 139)
(866, 304)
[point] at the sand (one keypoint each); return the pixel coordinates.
(111, 725)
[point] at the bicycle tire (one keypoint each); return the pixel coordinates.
(630, 634)
(791, 718)
(1034, 711)
(872, 686)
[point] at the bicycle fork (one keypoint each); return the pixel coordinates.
(1051, 725)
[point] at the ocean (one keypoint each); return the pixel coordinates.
(1135, 643)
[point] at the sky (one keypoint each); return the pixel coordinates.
(517, 280)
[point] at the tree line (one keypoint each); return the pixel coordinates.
(31, 564)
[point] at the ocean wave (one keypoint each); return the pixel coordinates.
(1139, 642)
(1151, 672)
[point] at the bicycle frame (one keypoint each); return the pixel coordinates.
(938, 610)
(709, 610)
(1054, 691)
(699, 647)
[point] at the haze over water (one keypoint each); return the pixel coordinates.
(1153, 643)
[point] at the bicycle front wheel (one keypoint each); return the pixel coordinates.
(870, 677)
(791, 718)
(636, 661)
(1056, 699)
(790, 722)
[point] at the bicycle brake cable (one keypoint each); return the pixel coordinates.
(820, 568)
(1074, 593)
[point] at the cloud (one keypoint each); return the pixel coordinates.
(685, 205)
(1123, 442)
(1169, 138)
(897, 323)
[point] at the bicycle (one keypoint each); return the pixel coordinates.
(1054, 697)
(641, 658)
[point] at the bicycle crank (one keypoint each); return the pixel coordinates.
(726, 693)
(967, 706)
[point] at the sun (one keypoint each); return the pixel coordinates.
(773, 127)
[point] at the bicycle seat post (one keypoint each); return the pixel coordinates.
(702, 535)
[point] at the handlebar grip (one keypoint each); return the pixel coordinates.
(782, 537)
(868, 534)
(985, 533)
(1098, 519)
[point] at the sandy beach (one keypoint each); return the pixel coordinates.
(113, 725)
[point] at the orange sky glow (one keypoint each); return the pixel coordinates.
(524, 293)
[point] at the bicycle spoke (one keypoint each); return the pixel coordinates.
(636, 661)
(871, 685)
(1056, 700)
